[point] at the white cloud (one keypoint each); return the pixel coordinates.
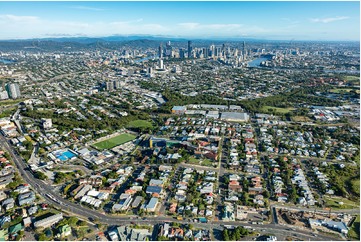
(127, 22)
(87, 8)
(189, 26)
(198, 26)
(17, 18)
(220, 29)
(328, 20)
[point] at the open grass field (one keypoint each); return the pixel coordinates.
(115, 141)
(276, 109)
(354, 232)
(202, 162)
(140, 124)
(347, 204)
(301, 119)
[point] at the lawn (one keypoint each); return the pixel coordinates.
(205, 161)
(276, 109)
(354, 232)
(347, 204)
(115, 141)
(140, 124)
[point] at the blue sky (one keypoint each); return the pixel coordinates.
(265, 20)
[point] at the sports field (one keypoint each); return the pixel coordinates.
(115, 141)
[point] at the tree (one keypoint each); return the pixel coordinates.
(42, 237)
(225, 235)
(40, 175)
(72, 221)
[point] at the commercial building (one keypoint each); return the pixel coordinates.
(189, 49)
(179, 109)
(153, 202)
(47, 123)
(4, 95)
(13, 90)
(26, 198)
(49, 221)
(235, 117)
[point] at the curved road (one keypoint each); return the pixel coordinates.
(85, 212)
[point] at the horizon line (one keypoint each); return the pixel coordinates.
(234, 38)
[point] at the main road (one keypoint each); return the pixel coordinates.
(90, 214)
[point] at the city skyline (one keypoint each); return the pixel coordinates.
(261, 20)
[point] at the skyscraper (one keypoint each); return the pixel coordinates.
(189, 49)
(244, 52)
(168, 49)
(109, 85)
(181, 53)
(160, 51)
(13, 90)
(161, 66)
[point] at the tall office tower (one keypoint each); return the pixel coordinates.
(168, 49)
(212, 50)
(189, 49)
(160, 51)
(161, 66)
(117, 84)
(181, 53)
(218, 52)
(236, 52)
(205, 52)
(13, 90)
(244, 52)
(109, 85)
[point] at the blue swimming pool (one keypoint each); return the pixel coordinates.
(67, 155)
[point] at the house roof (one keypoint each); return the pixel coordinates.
(153, 189)
(15, 228)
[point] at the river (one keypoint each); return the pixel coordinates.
(257, 62)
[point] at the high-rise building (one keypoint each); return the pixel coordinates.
(168, 49)
(161, 66)
(205, 52)
(189, 49)
(160, 51)
(181, 53)
(117, 84)
(13, 90)
(109, 85)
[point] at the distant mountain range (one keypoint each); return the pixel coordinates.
(121, 41)
(117, 38)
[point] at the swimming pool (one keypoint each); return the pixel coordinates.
(67, 155)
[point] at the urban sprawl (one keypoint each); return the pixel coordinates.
(180, 140)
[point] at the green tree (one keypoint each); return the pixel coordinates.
(73, 221)
(40, 175)
(225, 235)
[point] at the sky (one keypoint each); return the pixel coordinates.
(262, 20)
